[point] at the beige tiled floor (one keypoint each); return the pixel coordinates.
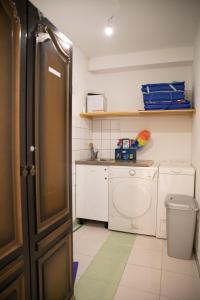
(150, 274)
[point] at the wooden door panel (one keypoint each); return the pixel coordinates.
(10, 202)
(15, 291)
(51, 91)
(54, 271)
(13, 275)
(49, 190)
(54, 235)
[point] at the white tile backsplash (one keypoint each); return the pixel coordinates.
(105, 145)
(84, 154)
(113, 144)
(96, 125)
(170, 137)
(76, 132)
(76, 155)
(105, 135)
(84, 144)
(76, 143)
(115, 134)
(97, 144)
(106, 125)
(115, 125)
(105, 154)
(112, 154)
(96, 135)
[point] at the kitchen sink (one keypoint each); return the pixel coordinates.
(113, 162)
(105, 159)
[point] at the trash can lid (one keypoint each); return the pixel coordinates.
(181, 202)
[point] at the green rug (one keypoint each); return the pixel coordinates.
(101, 279)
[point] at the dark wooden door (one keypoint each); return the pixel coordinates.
(14, 260)
(49, 159)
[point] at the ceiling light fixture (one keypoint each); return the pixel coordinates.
(109, 27)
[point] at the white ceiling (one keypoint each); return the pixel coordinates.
(139, 25)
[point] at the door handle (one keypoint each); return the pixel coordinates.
(32, 170)
(24, 171)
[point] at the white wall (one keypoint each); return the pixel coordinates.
(171, 135)
(196, 130)
(81, 128)
(123, 89)
(147, 59)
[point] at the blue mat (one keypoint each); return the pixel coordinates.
(75, 269)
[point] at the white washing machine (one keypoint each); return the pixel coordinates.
(133, 199)
(175, 178)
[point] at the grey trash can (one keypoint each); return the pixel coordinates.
(181, 220)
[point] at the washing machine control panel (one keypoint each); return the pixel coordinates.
(134, 172)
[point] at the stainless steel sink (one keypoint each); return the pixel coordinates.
(111, 162)
(105, 159)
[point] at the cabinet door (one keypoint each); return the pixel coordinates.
(10, 212)
(92, 192)
(13, 237)
(51, 129)
(15, 291)
(54, 269)
(49, 158)
(12, 277)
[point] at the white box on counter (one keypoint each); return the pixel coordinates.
(95, 103)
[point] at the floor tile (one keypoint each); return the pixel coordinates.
(142, 278)
(83, 262)
(91, 230)
(88, 246)
(183, 266)
(148, 243)
(147, 258)
(89, 240)
(179, 286)
(125, 293)
(90, 289)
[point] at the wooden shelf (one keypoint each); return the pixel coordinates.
(138, 113)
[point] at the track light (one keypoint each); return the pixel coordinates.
(109, 27)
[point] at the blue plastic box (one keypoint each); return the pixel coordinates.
(163, 91)
(125, 154)
(158, 96)
(174, 105)
(167, 87)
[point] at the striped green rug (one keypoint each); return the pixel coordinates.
(101, 279)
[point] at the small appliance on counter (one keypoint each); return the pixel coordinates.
(95, 102)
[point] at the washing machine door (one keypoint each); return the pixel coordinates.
(131, 198)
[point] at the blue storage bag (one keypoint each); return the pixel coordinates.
(169, 87)
(167, 106)
(164, 91)
(163, 96)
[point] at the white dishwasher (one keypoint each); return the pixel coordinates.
(173, 179)
(133, 199)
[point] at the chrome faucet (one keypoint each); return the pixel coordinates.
(94, 154)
